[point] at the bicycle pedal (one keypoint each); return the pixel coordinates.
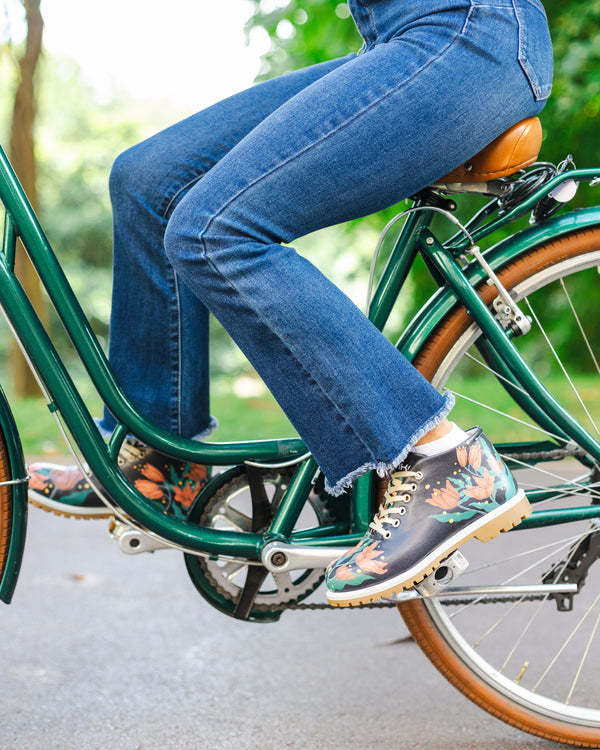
(442, 577)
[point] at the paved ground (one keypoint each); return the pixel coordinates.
(103, 651)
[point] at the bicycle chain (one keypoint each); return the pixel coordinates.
(554, 455)
(389, 604)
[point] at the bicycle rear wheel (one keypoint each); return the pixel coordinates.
(530, 660)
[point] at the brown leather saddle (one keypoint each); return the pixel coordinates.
(516, 148)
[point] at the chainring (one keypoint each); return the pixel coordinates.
(221, 580)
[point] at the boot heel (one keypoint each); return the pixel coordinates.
(512, 516)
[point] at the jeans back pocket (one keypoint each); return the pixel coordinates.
(535, 46)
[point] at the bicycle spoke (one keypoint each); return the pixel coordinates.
(565, 644)
(524, 632)
(560, 364)
(546, 557)
(575, 487)
(532, 619)
(495, 373)
(557, 548)
(506, 416)
(578, 321)
(583, 658)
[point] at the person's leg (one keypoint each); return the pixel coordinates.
(159, 329)
(366, 135)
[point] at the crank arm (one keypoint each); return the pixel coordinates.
(279, 557)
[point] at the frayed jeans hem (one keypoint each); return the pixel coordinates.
(384, 467)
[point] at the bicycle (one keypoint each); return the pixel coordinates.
(260, 533)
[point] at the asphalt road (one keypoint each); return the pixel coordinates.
(103, 651)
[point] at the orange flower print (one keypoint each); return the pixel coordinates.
(65, 479)
(495, 465)
(344, 573)
(444, 497)
(185, 496)
(366, 560)
(152, 473)
(196, 472)
(484, 486)
(461, 455)
(351, 552)
(475, 456)
(149, 489)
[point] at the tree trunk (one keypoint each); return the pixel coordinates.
(23, 160)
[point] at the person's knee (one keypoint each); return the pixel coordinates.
(194, 236)
(135, 172)
(205, 228)
(121, 173)
(181, 241)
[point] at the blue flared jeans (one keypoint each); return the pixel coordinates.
(205, 211)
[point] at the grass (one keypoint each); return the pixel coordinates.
(258, 416)
(250, 418)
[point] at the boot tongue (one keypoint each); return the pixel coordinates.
(411, 462)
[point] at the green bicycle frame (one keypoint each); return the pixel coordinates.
(64, 400)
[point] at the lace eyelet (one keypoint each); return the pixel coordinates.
(395, 523)
(406, 499)
(401, 512)
(413, 487)
(387, 534)
(419, 475)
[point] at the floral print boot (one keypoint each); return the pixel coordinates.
(433, 505)
(67, 491)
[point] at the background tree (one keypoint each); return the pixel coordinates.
(22, 156)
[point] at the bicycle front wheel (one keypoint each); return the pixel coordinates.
(6, 505)
(528, 656)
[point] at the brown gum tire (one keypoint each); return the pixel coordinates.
(414, 613)
(6, 506)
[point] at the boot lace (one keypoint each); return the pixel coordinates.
(398, 491)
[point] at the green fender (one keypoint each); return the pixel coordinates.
(442, 301)
(18, 475)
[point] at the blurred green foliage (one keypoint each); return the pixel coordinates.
(304, 32)
(78, 137)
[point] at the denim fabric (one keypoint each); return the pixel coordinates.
(204, 213)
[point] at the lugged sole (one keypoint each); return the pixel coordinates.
(69, 511)
(509, 515)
